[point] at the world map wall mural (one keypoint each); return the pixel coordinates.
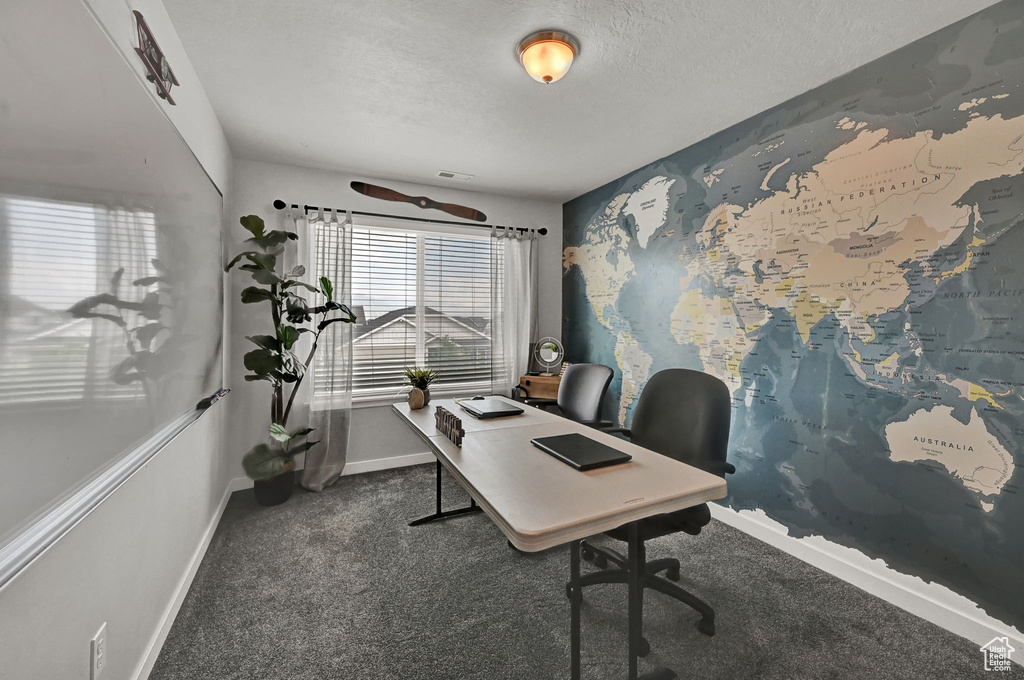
(851, 264)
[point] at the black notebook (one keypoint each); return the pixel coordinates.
(583, 453)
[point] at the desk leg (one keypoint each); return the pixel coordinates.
(575, 598)
(444, 514)
(636, 565)
(636, 593)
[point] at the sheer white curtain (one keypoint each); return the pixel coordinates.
(325, 396)
(513, 304)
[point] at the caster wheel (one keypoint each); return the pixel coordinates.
(643, 647)
(600, 561)
(587, 554)
(707, 627)
(672, 574)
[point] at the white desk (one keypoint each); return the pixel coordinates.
(539, 502)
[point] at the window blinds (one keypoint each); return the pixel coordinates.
(422, 299)
(457, 314)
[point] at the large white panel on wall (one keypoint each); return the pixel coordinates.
(110, 265)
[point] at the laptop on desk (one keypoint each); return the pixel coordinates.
(581, 452)
(489, 408)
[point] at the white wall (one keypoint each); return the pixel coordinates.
(123, 565)
(376, 432)
(126, 563)
(193, 114)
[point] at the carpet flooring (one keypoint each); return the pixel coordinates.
(336, 586)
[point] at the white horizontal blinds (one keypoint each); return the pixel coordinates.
(58, 254)
(457, 315)
(422, 299)
(384, 276)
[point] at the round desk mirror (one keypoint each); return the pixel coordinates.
(549, 354)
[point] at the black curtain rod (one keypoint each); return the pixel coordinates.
(281, 205)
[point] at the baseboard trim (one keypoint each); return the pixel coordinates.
(929, 601)
(239, 484)
(156, 644)
(361, 466)
(354, 468)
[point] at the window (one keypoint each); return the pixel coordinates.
(422, 299)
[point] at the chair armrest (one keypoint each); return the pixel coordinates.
(720, 468)
(540, 403)
(602, 425)
(625, 431)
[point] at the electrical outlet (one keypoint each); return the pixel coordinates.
(98, 653)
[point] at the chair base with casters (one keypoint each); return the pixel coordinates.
(612, 565)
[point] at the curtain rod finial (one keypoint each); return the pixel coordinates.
(279, 204)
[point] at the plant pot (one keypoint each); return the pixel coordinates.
(275, 490)
(417, 398)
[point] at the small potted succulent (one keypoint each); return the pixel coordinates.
(419, 379)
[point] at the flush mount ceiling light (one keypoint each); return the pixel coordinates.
(547, 55)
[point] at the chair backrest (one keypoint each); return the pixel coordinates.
(685, 415)
(582, 390)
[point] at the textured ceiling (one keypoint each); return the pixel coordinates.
(402, 88)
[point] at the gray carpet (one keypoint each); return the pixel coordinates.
(335, 585)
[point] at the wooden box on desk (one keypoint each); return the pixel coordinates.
(540, 386)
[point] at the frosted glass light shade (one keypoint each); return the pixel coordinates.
(547, 55)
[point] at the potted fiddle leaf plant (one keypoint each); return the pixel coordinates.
(271, 464)
(419, 379)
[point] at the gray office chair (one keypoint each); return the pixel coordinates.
(580, 394)
(685, 415)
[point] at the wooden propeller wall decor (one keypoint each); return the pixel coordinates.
(385, 194)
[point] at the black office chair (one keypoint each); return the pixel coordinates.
(580, 394)
(685, 415)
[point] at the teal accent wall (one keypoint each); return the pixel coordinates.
(849, 264)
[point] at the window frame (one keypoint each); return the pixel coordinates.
(385, 396)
